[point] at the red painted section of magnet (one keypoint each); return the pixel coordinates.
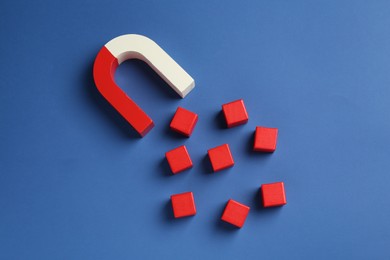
(235, 213)
(183, 204)
(273, 194)
(103, 74)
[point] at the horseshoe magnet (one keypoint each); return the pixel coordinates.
(133, 46)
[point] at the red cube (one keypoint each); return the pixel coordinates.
(220, 157)
(265, 139)
(273, 194)
(235, 113)
(183, 205)
(184, 121)
(235, 213)
(179, 159)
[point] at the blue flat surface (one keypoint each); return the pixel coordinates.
(77, 183)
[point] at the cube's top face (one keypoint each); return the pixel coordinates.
(183, 204)
(273, 194)
(178, 159)
(184, 121)
(235, 113)
(220, 157)
(235, 213)
(265, 139)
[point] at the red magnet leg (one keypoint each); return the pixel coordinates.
(103, 74)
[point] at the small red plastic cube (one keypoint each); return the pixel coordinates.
(179, 159)
(235, 213)
(273, 194)
(235, 113)
(184, 121)
(183, 204)
(265, 139)
(220, 157)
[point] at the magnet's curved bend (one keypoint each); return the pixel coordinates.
(133, 46)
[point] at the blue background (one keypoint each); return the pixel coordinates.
(77, 183)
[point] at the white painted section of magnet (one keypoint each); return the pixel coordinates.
(134, 46)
